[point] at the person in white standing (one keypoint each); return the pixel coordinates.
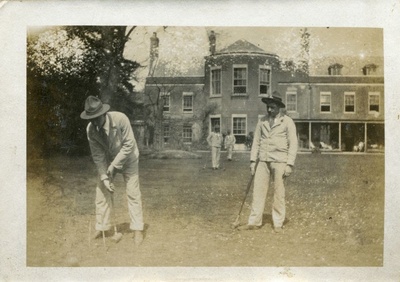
(274, 148)
(230, 142)
(215, 141)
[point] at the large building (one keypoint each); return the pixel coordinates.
(332, 111)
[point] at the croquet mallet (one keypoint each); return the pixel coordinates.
(117, 236)
(237, 221)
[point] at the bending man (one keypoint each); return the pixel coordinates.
(114, 150)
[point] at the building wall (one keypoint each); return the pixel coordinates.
(333, 128)
(229, 103)
(309, 107)
(176, 117)
(337, 129)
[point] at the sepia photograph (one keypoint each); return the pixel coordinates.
(188, 149)
(187, 113)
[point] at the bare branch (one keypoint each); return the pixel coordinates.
(129, 32)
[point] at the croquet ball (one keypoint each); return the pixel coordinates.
(72, 261)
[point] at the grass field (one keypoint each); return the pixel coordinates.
(335, 214)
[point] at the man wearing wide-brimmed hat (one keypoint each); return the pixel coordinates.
(274, 151)
(114, 150)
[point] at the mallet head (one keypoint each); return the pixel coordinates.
(116, 237)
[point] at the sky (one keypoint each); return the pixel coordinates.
(183, 48)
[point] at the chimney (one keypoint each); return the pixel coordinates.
(154, 42)
(212, 40)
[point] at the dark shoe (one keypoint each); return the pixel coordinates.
(230, 160)
(249, 227)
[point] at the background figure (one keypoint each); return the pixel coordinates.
(249, 140)
(275, 148)
(230, 141)
(215, 140)
(114, 149)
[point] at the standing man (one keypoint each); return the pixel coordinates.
(230, 141)
(114, 150)
(215, 140)
(274, 148)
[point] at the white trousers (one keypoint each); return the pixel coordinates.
(265, 173)
(215, 155)
(230, 151)
(103, 200)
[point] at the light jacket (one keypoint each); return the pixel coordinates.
(215, 139)
(276, 144)
(122, 148)
(230, 140)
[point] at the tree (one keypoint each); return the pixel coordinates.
(64, 66)
(156, 100)
(299, 61)
(304, 61)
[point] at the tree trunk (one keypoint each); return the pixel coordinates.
(114, 44)
(158, 127)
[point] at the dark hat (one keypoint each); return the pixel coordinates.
(94, 108)
(274, 98)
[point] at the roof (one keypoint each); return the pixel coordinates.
(176, 80)
(242, 46)
(337, 79)
(347, 79)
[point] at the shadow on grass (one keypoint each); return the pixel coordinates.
(267, 219)
(124, 228)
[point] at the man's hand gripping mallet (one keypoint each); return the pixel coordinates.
(117, 236)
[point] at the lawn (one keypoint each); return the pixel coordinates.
(335, 214)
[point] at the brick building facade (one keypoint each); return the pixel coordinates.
(333, 112)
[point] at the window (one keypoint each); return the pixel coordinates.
(214, 121)
(303, 135)
(373, 102)
(324, 136)
(216, 81)
(349, 102)
(187, 133)
(375, 137)
(265, 78)
(187, 100)
(239, 128)
(335, 69)
(291, 101)
(239, 125)
(369, 69)
(166, 133)
(240, 80)
(325, 101)
(351, 135)
(166, 97)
